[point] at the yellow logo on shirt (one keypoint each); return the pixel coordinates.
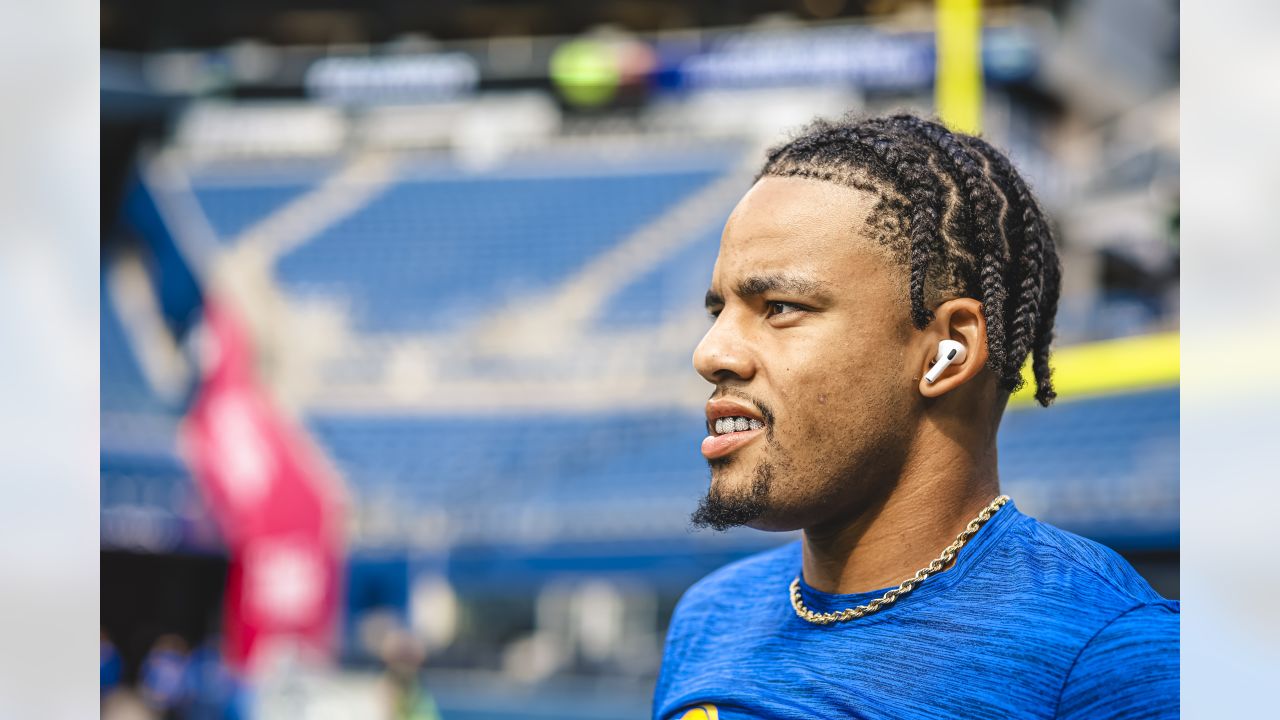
(705, 711)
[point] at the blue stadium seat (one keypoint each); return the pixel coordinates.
(123, 386)
(675, 286)
(1106, 467)
(1099, 466)
(232, 209)
(440, 247)
(431, 255)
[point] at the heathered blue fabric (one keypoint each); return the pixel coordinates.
(1030, 622)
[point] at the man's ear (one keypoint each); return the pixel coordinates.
(961, 320)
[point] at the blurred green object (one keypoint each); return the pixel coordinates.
(586, 72)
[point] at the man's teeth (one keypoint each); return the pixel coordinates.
(736, 424)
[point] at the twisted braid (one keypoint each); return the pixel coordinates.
(1037, 267)
(1045, 393)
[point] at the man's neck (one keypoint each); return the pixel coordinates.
(908, 529)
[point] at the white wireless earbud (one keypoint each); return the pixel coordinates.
(949, 351)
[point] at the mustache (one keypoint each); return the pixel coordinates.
(766, 412)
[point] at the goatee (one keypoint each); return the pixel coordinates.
(721, 512)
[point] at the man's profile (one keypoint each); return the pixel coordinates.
(864, 244)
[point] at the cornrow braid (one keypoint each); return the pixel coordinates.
(985, 221)
(955, 271)
(966, 224)
(911, 168)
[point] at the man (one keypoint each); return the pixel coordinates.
(863, 245)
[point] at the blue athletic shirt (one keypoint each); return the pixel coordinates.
(1030, 622)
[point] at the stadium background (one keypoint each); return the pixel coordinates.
(468, 242)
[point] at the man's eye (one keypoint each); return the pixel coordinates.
(781, 308)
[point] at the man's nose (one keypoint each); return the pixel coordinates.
(724, 353)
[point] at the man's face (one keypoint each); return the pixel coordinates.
(808, 346)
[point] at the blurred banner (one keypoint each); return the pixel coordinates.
(275, 500)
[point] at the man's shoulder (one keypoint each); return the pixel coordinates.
(715, 623)
(1128, 668)
(1069, 563)
(737, 580)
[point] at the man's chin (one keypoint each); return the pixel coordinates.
(735, 501)
(722, 514)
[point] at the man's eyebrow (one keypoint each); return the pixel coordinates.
(798, 284)
(713, 299)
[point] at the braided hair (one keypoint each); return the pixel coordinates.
(955, 212)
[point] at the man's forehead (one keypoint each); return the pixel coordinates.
(800, 207)
(795, 227)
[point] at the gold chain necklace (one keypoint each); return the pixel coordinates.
(907, 585)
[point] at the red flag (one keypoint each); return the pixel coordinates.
(275, 498)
